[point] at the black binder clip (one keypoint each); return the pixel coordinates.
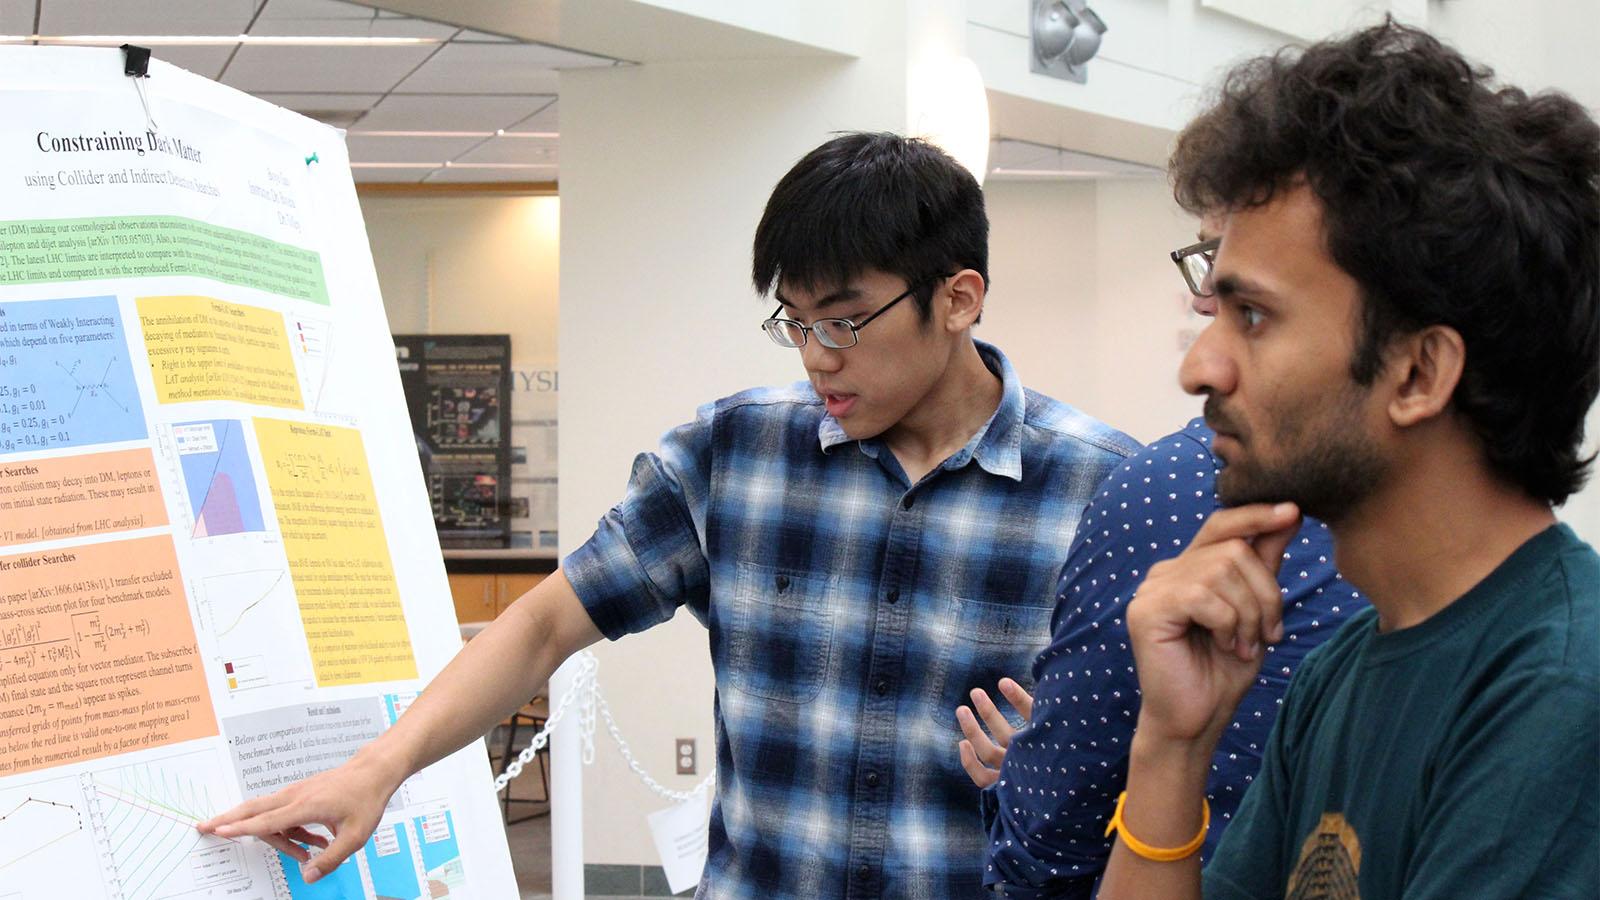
(136, 65)
(136, 61)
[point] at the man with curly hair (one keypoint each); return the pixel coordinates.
(1406, 346)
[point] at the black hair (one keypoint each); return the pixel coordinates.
(872, 201)
(1450, 200)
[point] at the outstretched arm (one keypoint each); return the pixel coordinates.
(493, 675)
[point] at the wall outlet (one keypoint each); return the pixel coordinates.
(686, 756)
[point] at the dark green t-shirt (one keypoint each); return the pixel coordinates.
(1458, 758)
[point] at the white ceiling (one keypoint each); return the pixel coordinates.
(463, 106)
(1017, 160)
(494, 97)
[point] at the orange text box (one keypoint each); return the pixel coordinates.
(97, 655)
(50, 499)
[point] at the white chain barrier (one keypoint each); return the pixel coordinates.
(584, 694)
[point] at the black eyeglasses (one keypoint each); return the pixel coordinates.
(835, 334)
(1194, 261)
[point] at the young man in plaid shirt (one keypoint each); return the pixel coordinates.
(864, 549)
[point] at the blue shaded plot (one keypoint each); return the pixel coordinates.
(65, 376)
(438, 835)
(394, 875)
(343, 883)
(223, 497)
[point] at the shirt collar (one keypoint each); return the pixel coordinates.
(996, 447)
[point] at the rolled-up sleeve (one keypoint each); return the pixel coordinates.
(647, 557)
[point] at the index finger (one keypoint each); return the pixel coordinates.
(1245, 522)
(1019, 697)
(1269, 545)
(246, 810)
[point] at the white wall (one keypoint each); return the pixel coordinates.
(1085, 301)
(1532, 45)
(465, 264)
(665, 170)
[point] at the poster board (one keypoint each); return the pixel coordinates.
(216, 570)
(458, 391)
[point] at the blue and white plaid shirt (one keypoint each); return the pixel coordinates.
(850, 612)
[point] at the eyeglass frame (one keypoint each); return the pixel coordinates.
(855, 327)
(1206, 250)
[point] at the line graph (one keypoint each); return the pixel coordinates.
(227, 629)
(33, 826)
(255, 621)
(146, 814)
(47, 847)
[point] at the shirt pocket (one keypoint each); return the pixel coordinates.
(780, 633)
(986, 642)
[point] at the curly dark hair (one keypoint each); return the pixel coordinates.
(1450, 200)
(867, 200)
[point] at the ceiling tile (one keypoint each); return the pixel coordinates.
(315, 9)
(513, 150)
(340, 110)
(407, 149)
(207, 61)
(348, 27)
(355, 69)
(389, 175)
(495, 69)
(16, 16)
(155, 17)
(458, 174)
(439, 112)
(482, 37)
(544, 120)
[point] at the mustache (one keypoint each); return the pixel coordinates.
(1216, 418)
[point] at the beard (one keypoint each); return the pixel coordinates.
(1326, 464)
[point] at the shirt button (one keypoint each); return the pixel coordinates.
(907, 502)
(894, 595)
(872, 779)
(863, 871)
(882, 687)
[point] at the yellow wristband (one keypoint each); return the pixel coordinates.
(1159, 854)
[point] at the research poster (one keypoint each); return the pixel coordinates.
(218, 571)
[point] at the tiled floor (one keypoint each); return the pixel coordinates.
(530, 840)
(530, 847)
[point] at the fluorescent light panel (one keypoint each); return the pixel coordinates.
(450, 165)
(1049, 173)
(215, 40)
(457, 134)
